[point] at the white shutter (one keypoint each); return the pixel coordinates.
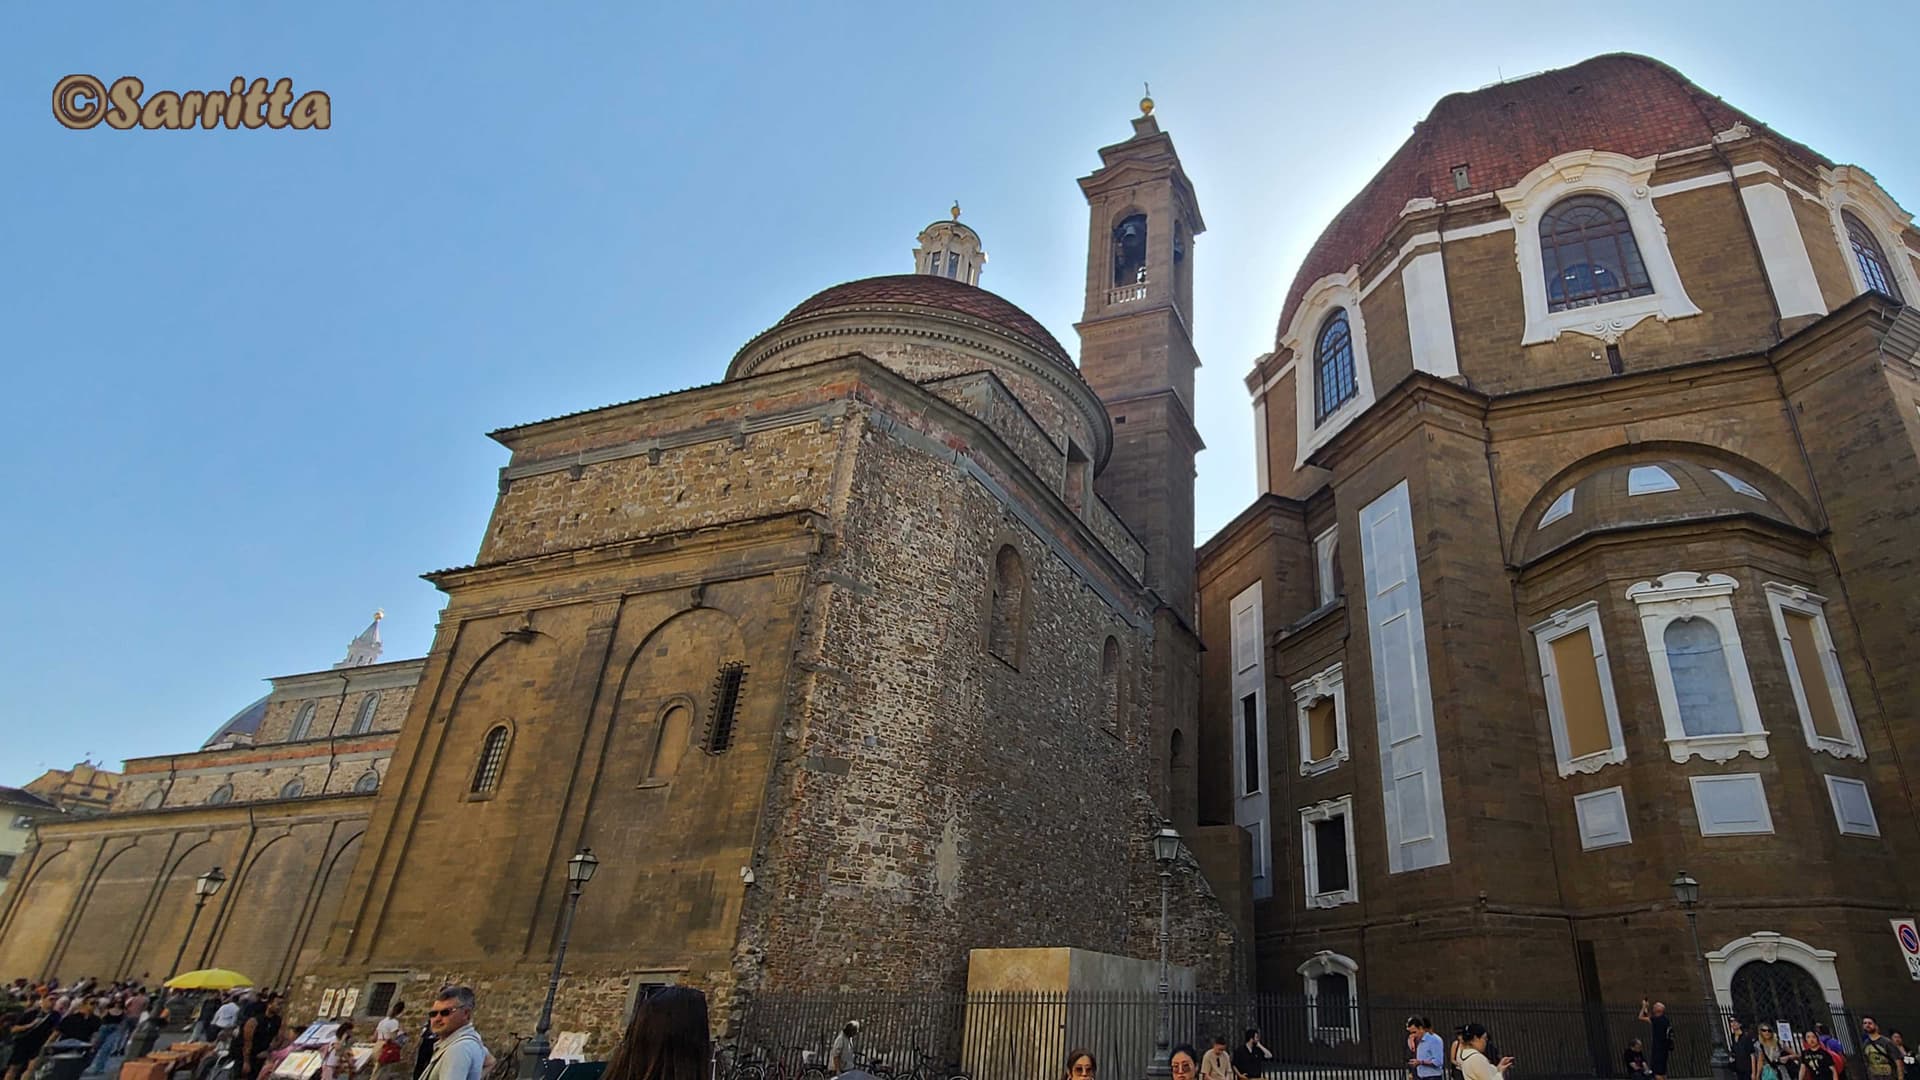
(1403, 698)
(1251, 812)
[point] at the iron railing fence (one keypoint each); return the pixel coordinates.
(1026, 1036)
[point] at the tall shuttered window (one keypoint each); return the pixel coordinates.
(1813, 669)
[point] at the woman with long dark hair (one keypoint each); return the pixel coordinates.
(667, 1040)
(1080, 1064)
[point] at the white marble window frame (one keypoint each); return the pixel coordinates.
(1545, 633)
(1834, 786)
(1328, 684)
(1345, 1027)
(1625, 181)
(1329, 294)
(1590, 841)
(1690, 595)
(1782, 598)
(1749, 780)
(1848, 189)
(1327, 810)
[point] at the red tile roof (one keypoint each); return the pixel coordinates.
(1621, 102)
(926, 290)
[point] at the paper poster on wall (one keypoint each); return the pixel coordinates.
(348, 999)
(327, 1001)
(570, 1046)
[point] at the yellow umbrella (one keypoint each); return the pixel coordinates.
(208, 979)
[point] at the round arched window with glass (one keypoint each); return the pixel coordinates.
(1589, 255)
(1875, 270)
(1334, 380)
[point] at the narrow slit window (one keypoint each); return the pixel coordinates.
(726, 702)
(302, 723)
(363, 720)
(1250, 743)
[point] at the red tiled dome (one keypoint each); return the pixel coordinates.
(1627, 104)
(926, 290)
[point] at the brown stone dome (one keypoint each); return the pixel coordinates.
(929, 291)
(1627, 104)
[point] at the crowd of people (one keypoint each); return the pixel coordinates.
(246, 1029)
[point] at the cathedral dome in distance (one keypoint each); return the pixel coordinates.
(928, 291)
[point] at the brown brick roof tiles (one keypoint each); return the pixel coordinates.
(926, 290)
(1624, 103)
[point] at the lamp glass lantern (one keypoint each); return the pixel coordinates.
(1166, 845)
(209, 883)
(1686, 891)
(581, 867)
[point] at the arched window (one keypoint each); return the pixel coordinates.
(1005, 627)
(493, 756)
(153, 801)
(220, 795)
(1110, 684)
(363, 720)
(1130, 250)
(671, 743)
(302, 723)
(1874, 267)
(1702, 685)
(292, 789)
(953, 264)
(370, 781)
(1334, 382)
(1588, 254)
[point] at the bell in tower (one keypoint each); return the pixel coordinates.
(951, 250)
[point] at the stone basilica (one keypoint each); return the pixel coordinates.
(1588, 449)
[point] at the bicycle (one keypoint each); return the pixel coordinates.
(751, 1065)
(506, 1065)
(926, 1070)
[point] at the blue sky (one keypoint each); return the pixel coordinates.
(249, 372)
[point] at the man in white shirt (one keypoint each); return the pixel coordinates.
(458, 1053)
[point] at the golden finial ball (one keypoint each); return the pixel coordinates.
(956, 210)
(1146, 106)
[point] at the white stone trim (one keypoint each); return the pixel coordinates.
(1783, 251)
(1335, 291)
(1688, 595)
(1328, 684)
(1624, 180)
(1251, 810)
(1317, 897)
(1260, 443)
(1429, 315)
(1850, 189)
(1545, 633)
(1340, 1026)
(1769, 947)
(1737, 783)
(1841, 820)
(1782, 598)
(1692, 183)
(1325, 549)
(1596, 809)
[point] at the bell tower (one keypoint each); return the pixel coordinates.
(1136, 351)
(1136, 345)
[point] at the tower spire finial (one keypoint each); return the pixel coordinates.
(1146, 99)
(956, 210)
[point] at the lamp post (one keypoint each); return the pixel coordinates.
(204, 887)
(1166, 848)
(580, 870)
(1686, 892)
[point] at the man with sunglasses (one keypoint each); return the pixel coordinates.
(458, 1053)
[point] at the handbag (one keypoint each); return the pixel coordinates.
(389, 1053)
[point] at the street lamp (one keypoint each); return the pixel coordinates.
(1166, 848)
(580, 870)
(204, 887)
(1686, 893)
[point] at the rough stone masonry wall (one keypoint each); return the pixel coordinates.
(938, 799)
